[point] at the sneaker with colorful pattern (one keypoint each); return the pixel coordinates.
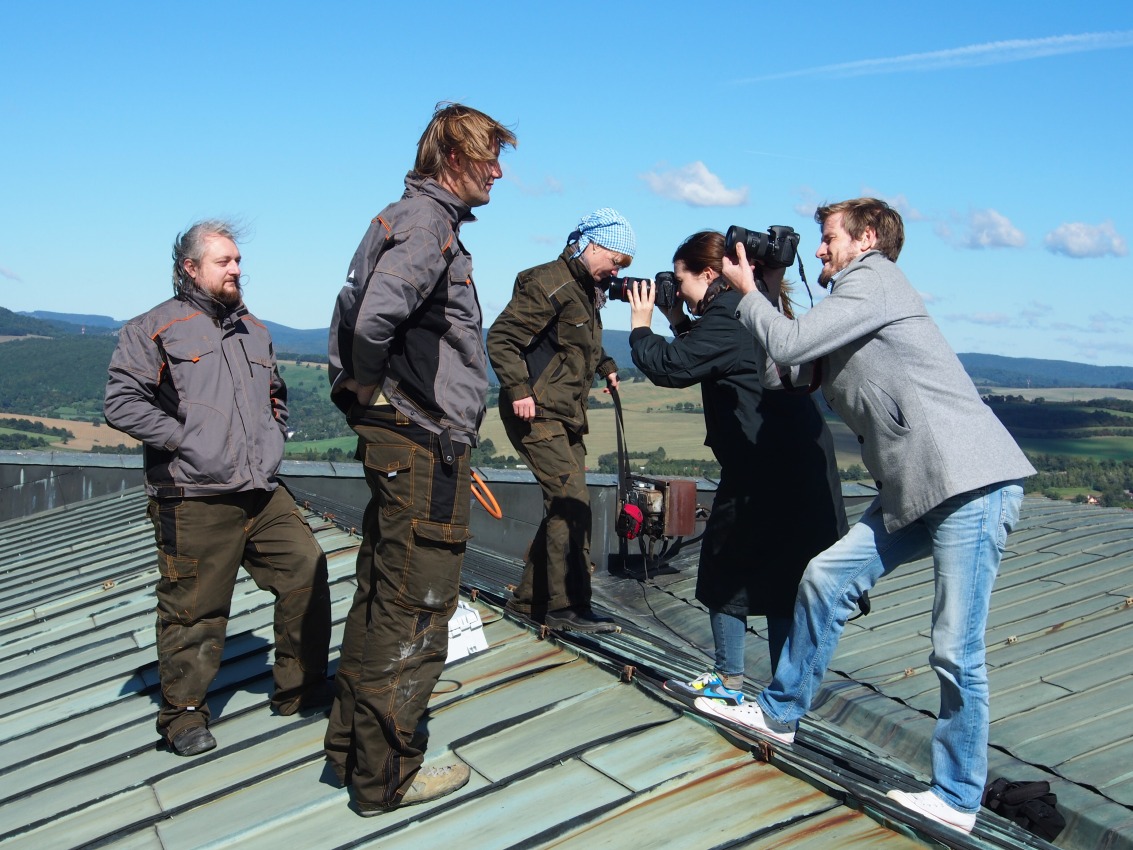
(708, 685)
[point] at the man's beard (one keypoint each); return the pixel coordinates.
(231, 299)
(227, 297)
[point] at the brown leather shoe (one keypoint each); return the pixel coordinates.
(431, 782)
(580, 619)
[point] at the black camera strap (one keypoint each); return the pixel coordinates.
(623, 450)
(802, 277)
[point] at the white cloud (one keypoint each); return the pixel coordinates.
(696, 186)
(808, 202)
(1078, 240)
(970, 56)
(8, 273)
(898, 202)
(1088, 350)
(1035, 311)
(549, 186)
(990, 229)
(987, 319)
(1105, 323)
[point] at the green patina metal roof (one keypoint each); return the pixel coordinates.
(567, 747)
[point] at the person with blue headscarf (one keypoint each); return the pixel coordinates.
(546, 348)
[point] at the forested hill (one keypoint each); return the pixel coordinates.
(1029, 372)
(985, 369)
(55, 377)
(50, 324)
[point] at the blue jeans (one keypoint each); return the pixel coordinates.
(965, 535)
(729, 634)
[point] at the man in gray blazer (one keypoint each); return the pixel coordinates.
(949, 480)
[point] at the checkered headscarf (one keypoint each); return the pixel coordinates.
(606, 227)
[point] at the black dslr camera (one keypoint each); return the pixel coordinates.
(774, 249)
(666, 289)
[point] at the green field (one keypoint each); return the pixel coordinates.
(651, 423)
(1099, 448)
(1060, 393)
(304, 376)
(297, 450)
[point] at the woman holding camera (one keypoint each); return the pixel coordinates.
(779, 499)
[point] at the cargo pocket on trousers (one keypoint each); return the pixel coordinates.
(393, 465)
(432, 583)
(177, 589)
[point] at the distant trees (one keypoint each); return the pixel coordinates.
(1101, 417)
(314, 416)
(302, 358)
(1111, 478)
(41, 377)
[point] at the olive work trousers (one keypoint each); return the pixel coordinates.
(556, 573)
(201, 543)
(395, 642)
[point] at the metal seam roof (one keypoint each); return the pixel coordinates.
(555, 741)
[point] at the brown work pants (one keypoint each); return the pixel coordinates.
(396, 640)
(201, 543)
(557, 569)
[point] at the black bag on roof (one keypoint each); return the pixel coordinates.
(1031, 805)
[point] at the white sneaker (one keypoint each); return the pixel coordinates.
(747, 714)
(932, 807)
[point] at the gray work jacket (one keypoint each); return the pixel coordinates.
(197, 383)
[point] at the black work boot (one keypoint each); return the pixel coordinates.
(193, 741)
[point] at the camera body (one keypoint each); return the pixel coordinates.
(774, 249)
(666, 288)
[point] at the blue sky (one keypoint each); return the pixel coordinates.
(1001, 130)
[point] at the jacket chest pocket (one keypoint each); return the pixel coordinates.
(192, 365)
(576, 328)
(575, 315)
(260, 372)
(462, 303)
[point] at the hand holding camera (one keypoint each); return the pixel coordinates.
(774, 249)
(666, 288)
(641, 295)
(772, 252)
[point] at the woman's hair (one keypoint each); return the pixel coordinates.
(860, 213)
(468, 131)
(705, 250)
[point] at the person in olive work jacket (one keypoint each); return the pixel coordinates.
(195, 380)
(407, 366)
(546, 348)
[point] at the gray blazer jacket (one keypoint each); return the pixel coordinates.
(925, 433)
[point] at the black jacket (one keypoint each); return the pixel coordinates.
(779, 502)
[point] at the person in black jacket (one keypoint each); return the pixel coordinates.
(779, 499)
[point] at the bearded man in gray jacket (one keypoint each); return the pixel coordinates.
(949, 480)
(195, 380)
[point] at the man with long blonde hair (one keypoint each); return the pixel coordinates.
(407, 367)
